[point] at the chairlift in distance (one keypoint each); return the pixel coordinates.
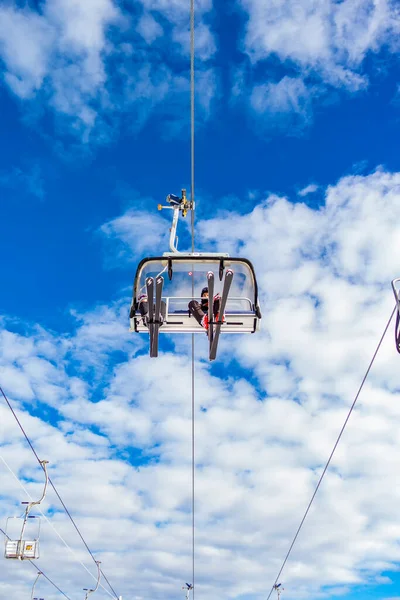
(169, 282)
(21, 548)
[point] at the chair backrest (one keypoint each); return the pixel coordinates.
(22, 549)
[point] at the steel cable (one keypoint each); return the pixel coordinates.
(332, 453)
(53, 486)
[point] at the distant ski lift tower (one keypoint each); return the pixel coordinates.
(187, 587)
(279, 589)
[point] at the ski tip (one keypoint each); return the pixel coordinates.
(210, 274)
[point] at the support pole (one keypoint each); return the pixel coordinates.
(35, 582)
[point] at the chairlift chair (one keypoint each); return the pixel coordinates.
(169, 282)
(21, 548)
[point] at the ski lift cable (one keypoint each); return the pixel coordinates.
(192, 116)
(54, 488)
(39, 569)
(332, 452)
(192, 200)
(50, 523)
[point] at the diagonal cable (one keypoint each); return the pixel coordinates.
(49, 522)
(192, 200)
(52, 484)
(332, 453)
(38, 569)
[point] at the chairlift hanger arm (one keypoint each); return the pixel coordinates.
(30, 505)
(44, 463)
(34, 584)
(177, 204)
(90, 591)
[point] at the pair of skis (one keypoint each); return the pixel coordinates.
(154, 316)
(213, 334)
(154, 319)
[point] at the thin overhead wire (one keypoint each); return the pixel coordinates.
(192, 115)
(39, 569)
(50, 523)
(192, 199)
(333, 452)
(193, 467)
(54, 487)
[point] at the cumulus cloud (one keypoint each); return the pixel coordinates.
(137, 232)
(267, 415)
(323, 35)
(28, 62)
(149, 28)
(77, 57)
(325, 42)
(284, 100)
(28, 181)
(308, 189)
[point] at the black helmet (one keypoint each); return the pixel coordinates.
(204, 291)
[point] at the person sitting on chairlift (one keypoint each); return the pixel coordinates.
(200, 309)
(143, 306)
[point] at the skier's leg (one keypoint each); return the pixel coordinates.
(163, 311)
(216, 307)
(216, 304)
(196, 311)
(144, 308)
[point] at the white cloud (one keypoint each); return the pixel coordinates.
(59, 52)
(139, 232)
(120, 452)
(287, 97)
(28, 181)
(308, 189)
(149, 28)
(205, 46)
(178, 11)
(207, 90)
(326, 42)
(83, 25)
(27, 62)
(77, 58)
(321, 35)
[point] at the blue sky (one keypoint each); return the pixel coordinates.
(297, 168)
